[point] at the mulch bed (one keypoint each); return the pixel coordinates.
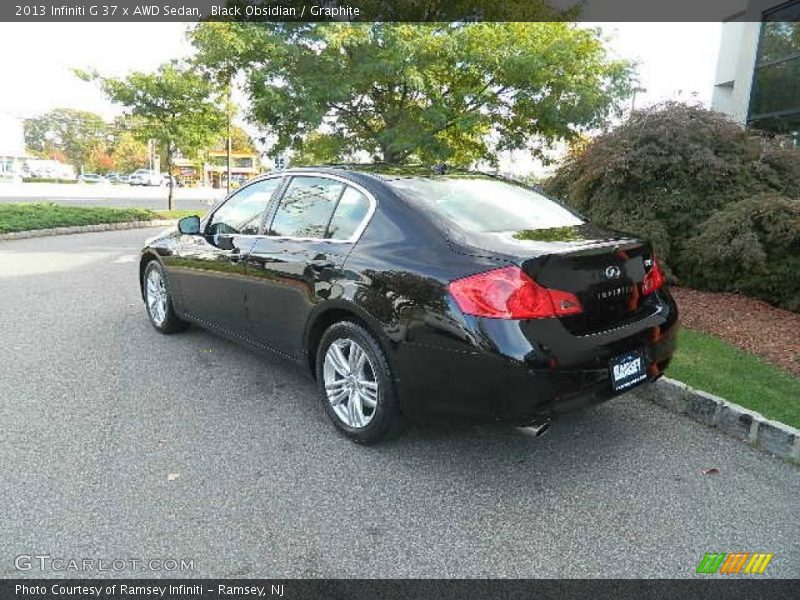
(749, 324)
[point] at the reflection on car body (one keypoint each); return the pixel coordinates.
(413, 294)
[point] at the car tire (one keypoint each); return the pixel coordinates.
(362, 402)
(158, 300)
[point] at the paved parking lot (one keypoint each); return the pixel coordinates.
(97, 410)
(113, 196)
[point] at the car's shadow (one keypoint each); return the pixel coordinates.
(576, 444)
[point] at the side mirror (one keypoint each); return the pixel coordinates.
(189, 225)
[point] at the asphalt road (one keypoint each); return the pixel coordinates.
(115, 196)
(97, 410)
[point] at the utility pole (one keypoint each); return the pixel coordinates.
(633, 99)
(229, 111)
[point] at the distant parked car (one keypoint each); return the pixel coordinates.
(146, 177)
(91, 178)
(175, 181)
(10, 177)
(47, 169)
(116, 178)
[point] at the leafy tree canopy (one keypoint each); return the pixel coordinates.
(129, 152)
(240, 141)
(176, 106)
(455, 92)
(74, 134)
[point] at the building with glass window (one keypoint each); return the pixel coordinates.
(12, 147)
(243, 167)
(214, 173)
(758, 71)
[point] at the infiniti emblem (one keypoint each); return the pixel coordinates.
(612, 272)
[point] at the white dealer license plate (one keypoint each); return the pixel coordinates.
(627, 371)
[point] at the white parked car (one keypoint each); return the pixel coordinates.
(10, 177)
(146, 177)
(91, 178)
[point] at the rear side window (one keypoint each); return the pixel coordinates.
(350, 213)
(306, 207)
(244, 211)
(483, 205)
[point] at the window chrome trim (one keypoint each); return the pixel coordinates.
(658, 310)
(373, 204)
(206, 220)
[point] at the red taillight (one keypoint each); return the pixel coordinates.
(508, 293)
(653, 279)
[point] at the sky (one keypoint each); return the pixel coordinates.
(39, 58)
(675, 61)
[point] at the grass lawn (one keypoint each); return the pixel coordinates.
(177, 214)
(707, 363)
(25, 217)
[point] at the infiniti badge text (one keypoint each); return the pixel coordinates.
(616, 292)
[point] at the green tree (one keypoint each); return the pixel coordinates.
(220, 64)
(176, 106)
(77, 134)
(455, 92)
(240, 141)
(129, 152)
(318, 148)
(99, 159)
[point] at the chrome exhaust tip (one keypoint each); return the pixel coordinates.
(539, 428)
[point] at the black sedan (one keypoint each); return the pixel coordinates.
(414, 293)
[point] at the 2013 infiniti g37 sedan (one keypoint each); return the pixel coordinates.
(415, 293)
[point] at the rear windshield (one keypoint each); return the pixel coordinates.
(482, 205)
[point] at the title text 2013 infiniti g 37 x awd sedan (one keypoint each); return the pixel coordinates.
(411, 293)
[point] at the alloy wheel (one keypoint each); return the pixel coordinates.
(156, 297)
(350, 383)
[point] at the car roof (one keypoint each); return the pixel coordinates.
(387, 173)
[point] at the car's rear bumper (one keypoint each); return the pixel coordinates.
(520, 371)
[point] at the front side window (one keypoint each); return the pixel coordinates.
(243, 212)
(483, 205)
(306, 207)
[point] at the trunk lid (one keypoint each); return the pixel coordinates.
(604, 269)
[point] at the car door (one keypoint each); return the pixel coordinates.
(295, 263)
(210, 267)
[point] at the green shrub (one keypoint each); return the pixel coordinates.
(668, 170)
(26, 217)
(47, 180)
(751, 246)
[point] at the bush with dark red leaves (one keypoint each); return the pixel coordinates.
(720, 202)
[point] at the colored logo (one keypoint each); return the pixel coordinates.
(737, 563)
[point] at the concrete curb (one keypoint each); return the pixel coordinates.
(34, 233)
(746, 425)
